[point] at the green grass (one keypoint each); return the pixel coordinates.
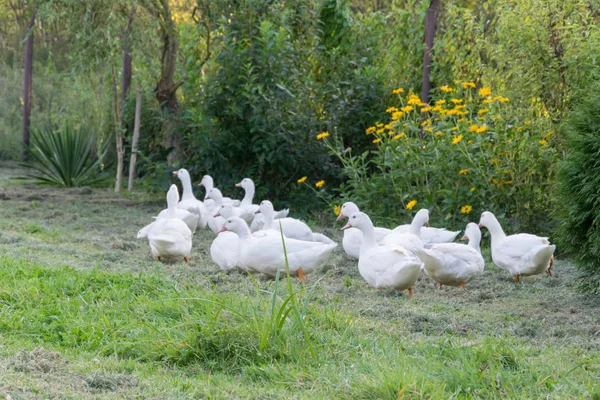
(86, 313)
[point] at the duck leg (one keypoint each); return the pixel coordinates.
(158, 258)
(186, 259)
(300, 274)
(516, 277)
(439, 285)
(410, 291)
(549, 270)
(462, 285)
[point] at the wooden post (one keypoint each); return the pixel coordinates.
(136, 136)
(27, 80)
(430, 27)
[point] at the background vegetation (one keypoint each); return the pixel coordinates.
(243, 88)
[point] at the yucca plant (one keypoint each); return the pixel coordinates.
(65, 158)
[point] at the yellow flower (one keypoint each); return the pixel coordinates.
(473, 128)
(426, 122)
(456, 101)
(460, 120)
(467, 85)
(481, 129)
(438, 133)
(398, 136)
(411, 204)
(320, 183)
(398, 91)
(370, 130)
(302, 179)
(488, 101)
(485, 91)
(457, 139)
(414, 99)
(429, 129)
(483, 111)
(426, 109)
(470, 142)
(547, 135)
(527, 123)
(504, 100)
(377, 140)
(337, 210)
(388, 126)
(473, 189)
(446, 89)
(322, 135)
(391, 110)
(407, 108)
(460, 106)
(466, 209)
(379, 124)
(440, 102)
(543, 142)
(463, 171)
(379, 131)
(437, 108)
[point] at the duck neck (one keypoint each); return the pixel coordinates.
(208, 184)
(369, 236)
(186, 183)
(244, 232)
(474, 243)
(248, 196)
(268, 220)
(415, 226)
(496, 231)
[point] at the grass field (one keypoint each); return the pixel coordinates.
(86, 313)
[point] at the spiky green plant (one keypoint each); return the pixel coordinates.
(65, 158)
(579, 190)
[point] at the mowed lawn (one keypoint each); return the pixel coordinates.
(86, 313)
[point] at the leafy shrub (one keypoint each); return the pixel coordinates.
(461, 155)
(579, 180)
(65, 158)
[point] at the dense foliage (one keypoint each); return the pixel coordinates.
(579, 189)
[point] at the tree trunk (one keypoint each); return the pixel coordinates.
(136, 136)
(118, 133)
(430, 27)
(27, 81)
(166, 88)
(126, 69)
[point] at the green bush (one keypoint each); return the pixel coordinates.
(579, 195)
(65, 158)
(461, 155)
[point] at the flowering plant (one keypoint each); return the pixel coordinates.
(461, 154)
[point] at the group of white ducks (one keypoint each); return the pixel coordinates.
(256, 238)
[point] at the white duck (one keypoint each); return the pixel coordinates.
(190, 219)
(224, 250)
(170, 237)
(454, 264)
(189, 202)
(383, 266)
(215, 221)
(248, 208)
(265, 254)
(410, 240)
(208, 183)
(430, 236)
(521, 254)
(353, 236)
(292, 228)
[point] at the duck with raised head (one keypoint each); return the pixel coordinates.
(189, 202)
(521, 254)
(383, 266)
(454, 264)
(353, 236)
